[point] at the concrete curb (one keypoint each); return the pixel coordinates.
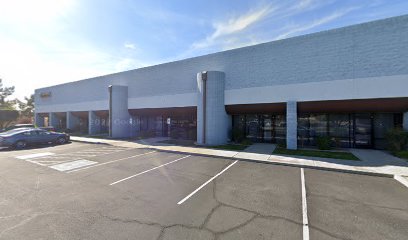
(360, 172)
(85, 141)
(286, 164)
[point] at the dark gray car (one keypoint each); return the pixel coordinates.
(20, 138)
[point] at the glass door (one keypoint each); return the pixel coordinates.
(363, 131)
(267, 128)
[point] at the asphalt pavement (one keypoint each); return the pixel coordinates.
(97, 191)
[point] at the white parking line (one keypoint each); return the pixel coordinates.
(35, 155)
(402, 180)
(72, 165)
(304, 206)
(198, 189)
(117, 160)
(124, 179)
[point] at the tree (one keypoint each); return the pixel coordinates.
(7, 117)
(4, 93)
(8, 114)
(27, 106)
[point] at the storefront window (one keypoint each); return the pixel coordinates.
(340, 129)
(303, 130)
(252, 127)
(280, 129)
(383, 122)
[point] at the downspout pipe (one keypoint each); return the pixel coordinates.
(204, 79)
(110, 110)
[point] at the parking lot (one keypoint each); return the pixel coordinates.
(96, 191)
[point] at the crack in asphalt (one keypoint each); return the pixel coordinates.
(29, 219)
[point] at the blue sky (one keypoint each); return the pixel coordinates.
(48, 42)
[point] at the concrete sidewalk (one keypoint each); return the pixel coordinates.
(373, 162)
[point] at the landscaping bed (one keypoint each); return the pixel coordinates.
(317, 153)
(402, 154)
(231, 147)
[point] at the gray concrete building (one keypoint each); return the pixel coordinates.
(350, 84)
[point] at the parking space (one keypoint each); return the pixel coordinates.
(349, 206)
(69, 157)
(147, 194)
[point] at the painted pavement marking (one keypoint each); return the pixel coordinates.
(35, 155)
(204, 184)
(304, 206)
(72, 165)
(127, 178)
(113, 161)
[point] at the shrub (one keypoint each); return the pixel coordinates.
(323, 143)
(246, 142)
(282, 144)
(397, 139)
(238, 135)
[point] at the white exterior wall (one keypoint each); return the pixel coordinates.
(361, 61)
(120, 115)
(216, 118)
(291, 125)
(94, 126)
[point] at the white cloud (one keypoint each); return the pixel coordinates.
(305, 27)
(233, 26)
(303, 4)
(130, 46)
(37, 52)
(38, 11)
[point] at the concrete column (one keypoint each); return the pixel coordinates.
(38, 120)
(405, 121)
(134, 126)
(119, 113)
(94, 123)
(291, 125)
(72, 121)
(212, 119)
(53, 120)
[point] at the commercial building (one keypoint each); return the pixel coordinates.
(350, 84)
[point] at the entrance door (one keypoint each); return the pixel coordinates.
(267, 128)
(363, 131)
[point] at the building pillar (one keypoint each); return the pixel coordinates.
(134, 126)
(118, 112)
(38, 120)
(405, 121)
(53, 120)
(212, 119)
(291, 125)
(72, 122)
(94, 123)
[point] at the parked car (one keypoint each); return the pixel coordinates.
(17, 126)
(21, 138)
(49, 128)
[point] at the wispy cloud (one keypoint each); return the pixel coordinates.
(225, 30)
(304, 4)
(305, 27)
(129, 46)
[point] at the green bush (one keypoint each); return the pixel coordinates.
(246, 142)
(282, 144)
(323, 143)
(397, 139)
(402, 154)
(238, 135)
